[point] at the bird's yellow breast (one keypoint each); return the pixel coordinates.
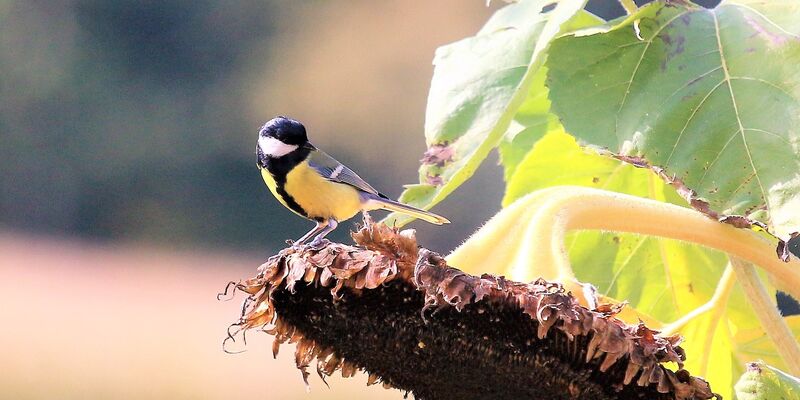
(273, 186)
(317, 196)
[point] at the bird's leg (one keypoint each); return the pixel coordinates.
(321, 225)
(319, 240)
(367, 221)
(366, 217)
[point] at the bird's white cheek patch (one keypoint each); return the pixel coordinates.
(274, 147)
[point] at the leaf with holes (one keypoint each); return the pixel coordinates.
(709, 95)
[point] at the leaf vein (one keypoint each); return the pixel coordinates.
(764, 17)
(689, 120)
(766, 82)
(769, 133)
(736, 110)
(641, 57)
(625, 263)
(689, 82)
(719, 155)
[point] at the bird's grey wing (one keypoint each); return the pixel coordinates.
(335, 171)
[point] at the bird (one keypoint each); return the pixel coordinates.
(314, 185)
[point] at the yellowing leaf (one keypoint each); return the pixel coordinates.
(663, 279)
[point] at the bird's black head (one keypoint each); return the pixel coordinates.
(282, 141)
(286, 130)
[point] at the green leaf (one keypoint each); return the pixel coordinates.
(709, 95)
(709, 350)
(754, 345)
(514, 149)
(763, 382)
(557, 159)
(783, 13)
(662, 279)
(533, 118)
(478, 85)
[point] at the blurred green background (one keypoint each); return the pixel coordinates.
(129, 194)
(132, 120)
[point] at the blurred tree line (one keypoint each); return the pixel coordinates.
(120, 119)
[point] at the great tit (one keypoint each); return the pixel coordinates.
(314, 185)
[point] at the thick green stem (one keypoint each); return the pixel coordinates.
(768, 314)
(526, 239)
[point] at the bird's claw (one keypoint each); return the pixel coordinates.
(313, 245)
(318, 244)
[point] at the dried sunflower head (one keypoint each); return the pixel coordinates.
(413, 323)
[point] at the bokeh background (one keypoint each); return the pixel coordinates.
(129, 194)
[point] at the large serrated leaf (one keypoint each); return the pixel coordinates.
(477, 87)
(709, 95)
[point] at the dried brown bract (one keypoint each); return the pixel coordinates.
(438, 154)
(413, 323)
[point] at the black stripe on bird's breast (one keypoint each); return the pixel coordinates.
(279, 167)
(290, 201)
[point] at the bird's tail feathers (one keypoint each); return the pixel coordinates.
(391, 205)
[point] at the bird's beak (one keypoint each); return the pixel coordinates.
(309, 146)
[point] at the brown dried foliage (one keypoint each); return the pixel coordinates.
(438, 154)
(352, 308)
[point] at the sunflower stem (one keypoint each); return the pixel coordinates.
(526, 239)
(768, 314)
